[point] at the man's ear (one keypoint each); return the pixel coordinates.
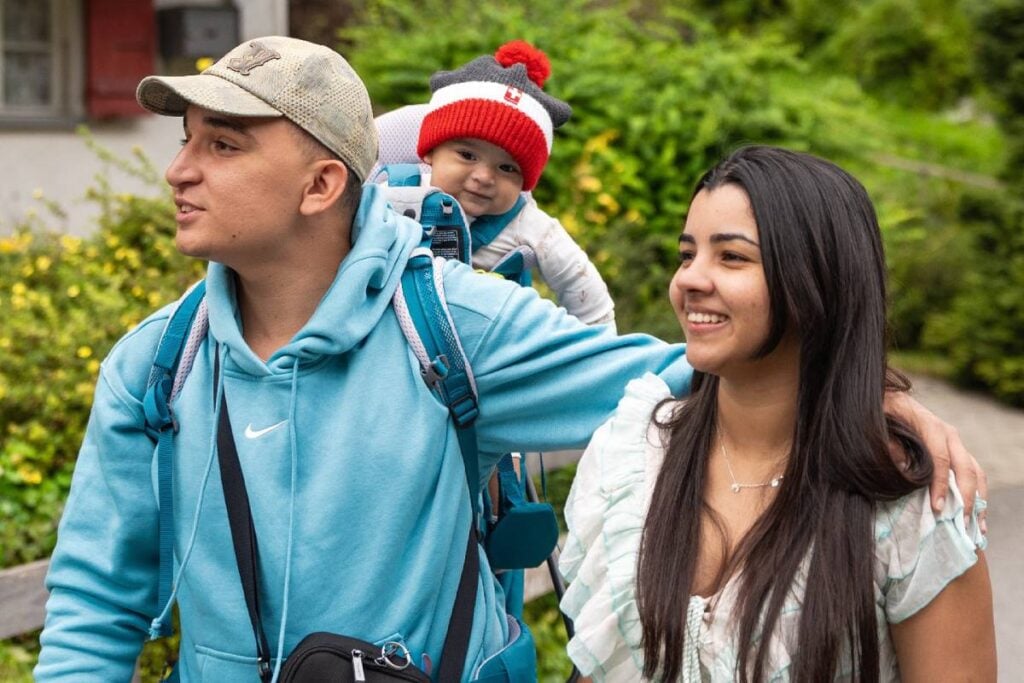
(327, 183)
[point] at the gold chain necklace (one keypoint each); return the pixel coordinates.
(736, 486)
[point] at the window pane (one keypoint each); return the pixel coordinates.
(26, 20)
(26, 79)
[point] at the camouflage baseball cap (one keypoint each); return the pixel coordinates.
(311, 85)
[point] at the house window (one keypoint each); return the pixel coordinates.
(36, 76)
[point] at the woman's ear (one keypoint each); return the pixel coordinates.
(326, 185)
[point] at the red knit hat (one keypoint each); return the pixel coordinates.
(499, 99)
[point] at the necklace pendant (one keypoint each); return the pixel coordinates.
(735, 488)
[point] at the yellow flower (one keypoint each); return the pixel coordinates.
(154, 299)
(599, 143)
(608, 202)
(30, 475)
(43, 263)
(73, 291)
(571, 225)
(589, 183)
(84, 351)
(137, 291)
(203, 63)
(5, 343)
(19, 288)
(27, 270)
(8, 246)
(93, 366)
(71, 244)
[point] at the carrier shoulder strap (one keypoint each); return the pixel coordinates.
(161, 426)
(427, 324)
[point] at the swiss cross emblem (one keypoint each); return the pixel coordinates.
(513, 95)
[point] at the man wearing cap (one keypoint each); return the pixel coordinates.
(351, 465)
(352, 469)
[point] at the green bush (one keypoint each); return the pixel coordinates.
(917, 52)
(66, 300)
(982, 334)
(1001, 66)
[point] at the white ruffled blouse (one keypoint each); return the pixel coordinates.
(917, 553)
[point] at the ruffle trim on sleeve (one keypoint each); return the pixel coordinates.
(605, 516)
(919, 552)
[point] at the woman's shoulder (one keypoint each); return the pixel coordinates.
(605, 514)
(628, 441)
(919, 551)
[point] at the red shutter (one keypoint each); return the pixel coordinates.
(121, 46)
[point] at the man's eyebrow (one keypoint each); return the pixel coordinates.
(229, 123)
(719, 237)
(221, 122)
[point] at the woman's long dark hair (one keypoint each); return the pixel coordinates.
(823, 262)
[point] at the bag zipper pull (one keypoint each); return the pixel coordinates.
(357, 665)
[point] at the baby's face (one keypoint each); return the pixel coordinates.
(483, 177)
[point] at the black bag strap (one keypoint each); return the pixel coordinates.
(243, 533)
(460, 626)
(243, 536)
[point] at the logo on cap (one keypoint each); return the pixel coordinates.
(258, 55)
(513, 95)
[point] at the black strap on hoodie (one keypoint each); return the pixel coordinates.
(243, 536)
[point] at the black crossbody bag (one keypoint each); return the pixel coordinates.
(328, 657)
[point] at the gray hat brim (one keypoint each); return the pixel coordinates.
(171, 96)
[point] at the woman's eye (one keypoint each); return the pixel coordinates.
(685, 257)
(733, 256)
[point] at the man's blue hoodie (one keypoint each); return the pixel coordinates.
(352, 467)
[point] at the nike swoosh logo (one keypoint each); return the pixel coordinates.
(251, 433)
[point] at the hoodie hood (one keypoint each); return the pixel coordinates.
(362, 289)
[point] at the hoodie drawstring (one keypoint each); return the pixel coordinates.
(293, 440)
(155, 627)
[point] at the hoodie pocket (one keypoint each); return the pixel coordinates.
(217, 665)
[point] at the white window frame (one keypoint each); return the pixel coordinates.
(66, 105)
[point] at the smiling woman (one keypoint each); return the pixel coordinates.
(770, 496)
